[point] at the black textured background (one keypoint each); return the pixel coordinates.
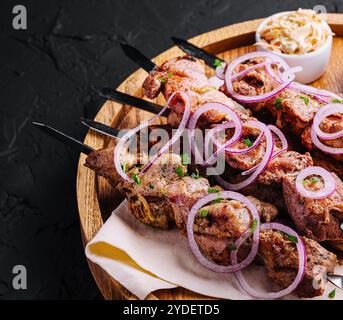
(46, 75)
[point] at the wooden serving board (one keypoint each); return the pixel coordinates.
(96, 199)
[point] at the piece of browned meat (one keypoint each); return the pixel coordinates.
(320, 159)
(293, 110)
(280, 258)
(318, 219)
(188, 74)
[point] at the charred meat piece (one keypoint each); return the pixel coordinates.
(320, 159)
(318, 219)
(188, 74)
(285, 163)
(280, 258)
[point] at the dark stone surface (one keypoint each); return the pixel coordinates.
(46, 75)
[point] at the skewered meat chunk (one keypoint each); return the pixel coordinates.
(188, 74)
(292, 109)
(280, 257)
(318, 219)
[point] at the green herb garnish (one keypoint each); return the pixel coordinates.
(278, 103)
(179, 171)
(336, 101)
(232, 247)
(218, 200)
(305, 182)
(290, 237)
(162, 80)
(137, 179)
(314, 180)
(195, 175)
(124, 167)
(247, 142)
(305, 99)
(185, 158)
(212, 190)
(253, 226)
(203, 213)
(170, 74)
(332, 294)
(151, 186)
(217, 63)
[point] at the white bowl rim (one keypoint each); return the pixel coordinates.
(325, 46)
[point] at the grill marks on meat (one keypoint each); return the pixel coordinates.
(185, 74)
(280, 257)
(318, 219)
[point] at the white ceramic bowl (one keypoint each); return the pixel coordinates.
(314, 63)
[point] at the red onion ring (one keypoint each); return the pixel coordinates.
(220, 71)
(178, 133)
(321, 114)
(252, 123)
(128, 135)
(321, 95)
(301, 269)
(252, 99)
(217, 107)
(329, 183)
(261, 167)
(323, 147)
(256, 233)
(284, 148)
(255, 66)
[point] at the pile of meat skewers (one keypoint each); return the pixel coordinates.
(166, 192)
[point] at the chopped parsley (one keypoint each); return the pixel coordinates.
(195, 175)
(185, 158)
(124, 167)
(332, 294)
(179, 171)
(278, 103)
(290, 237)
(212, 190)
(337, 101)
(137, 179)
(314, 180)
(305, 182)
(151, 186)
(162, 80)
(253, 226)
(247, 142)
(203, 213)
(170, 74)
(218, 200)
(232, 247)
(217, 63)
(305, 99)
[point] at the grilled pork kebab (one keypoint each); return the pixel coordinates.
(319, 219)
(164, 195)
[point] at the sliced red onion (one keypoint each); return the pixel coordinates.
(128, 135)
(251, 99)
(251, 123)
(253, 67)
(216, 82)
(284, 148)
(216, 107)
(301, 267)
(329, 183)
(321, 114)
(321, 95)
(323, 147)
(220, 71)
(178, 133)
(256, 233)
(261, 167)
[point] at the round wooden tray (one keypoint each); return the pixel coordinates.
(96, 199)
